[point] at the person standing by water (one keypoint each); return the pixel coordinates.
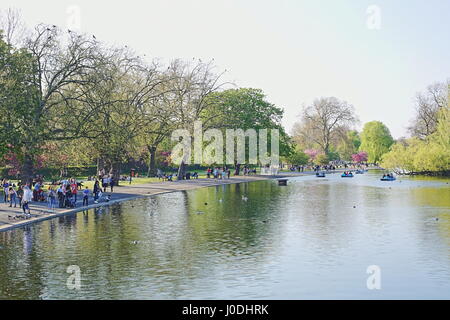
(86, 196)
(20, 195)
(51, 198)
(105, 183)
(12, 197)
(74, 190)
(96, 190)
(27, 197)
(60, 193)
(5, 186)
(111, 183)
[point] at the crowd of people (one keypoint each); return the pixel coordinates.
(61, 194)
(218, 173)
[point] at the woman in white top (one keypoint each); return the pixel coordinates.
(27, 197)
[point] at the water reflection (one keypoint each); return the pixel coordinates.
(311, 239)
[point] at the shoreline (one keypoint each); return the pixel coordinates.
(122, 193)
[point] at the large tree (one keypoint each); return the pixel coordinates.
(192, 84)
(62, 68)
(349, 144)
(323, 120)
(246, 108)
(16, 91)
(428, 104)
(376, 140)
(120, 99)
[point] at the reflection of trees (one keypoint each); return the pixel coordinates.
(21, 269)
(176, 246)
(435, 197)
(324, 213)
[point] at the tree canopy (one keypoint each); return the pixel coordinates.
(376, 140)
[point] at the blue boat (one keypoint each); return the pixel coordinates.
(320, 174)
(349, 175)
(388, 178)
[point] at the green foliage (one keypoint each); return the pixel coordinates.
(245, 108)
(348, 145)
(16, 92)
(423, 156)
(297, 157)
(322, 159)
(375, 140)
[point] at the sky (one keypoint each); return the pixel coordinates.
(376, 55)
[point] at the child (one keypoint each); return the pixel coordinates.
(86, 196)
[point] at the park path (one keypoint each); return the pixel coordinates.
(40, 211)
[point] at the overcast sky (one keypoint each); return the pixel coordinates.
(374, 54)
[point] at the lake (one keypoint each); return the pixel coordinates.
(312, 239)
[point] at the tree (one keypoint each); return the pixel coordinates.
(322, 159)
(12, 25)
(120, 100)
(376, 140)
(322, 121)
(192, 84)
(297, 157)
(312, 154)
(428, 105)
(349, 144)
(16, 91)
(61, 70)
(427, 155)
(246, 108)
(361, 156)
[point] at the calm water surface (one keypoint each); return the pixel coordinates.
(313, 239)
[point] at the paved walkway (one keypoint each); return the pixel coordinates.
(11, 217)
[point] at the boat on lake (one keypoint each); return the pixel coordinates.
(320, 174)
(347, 175)
(388, 177)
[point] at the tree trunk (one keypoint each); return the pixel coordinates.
(27, 171)
(182, 171)
(152, 162)
(115, 171)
